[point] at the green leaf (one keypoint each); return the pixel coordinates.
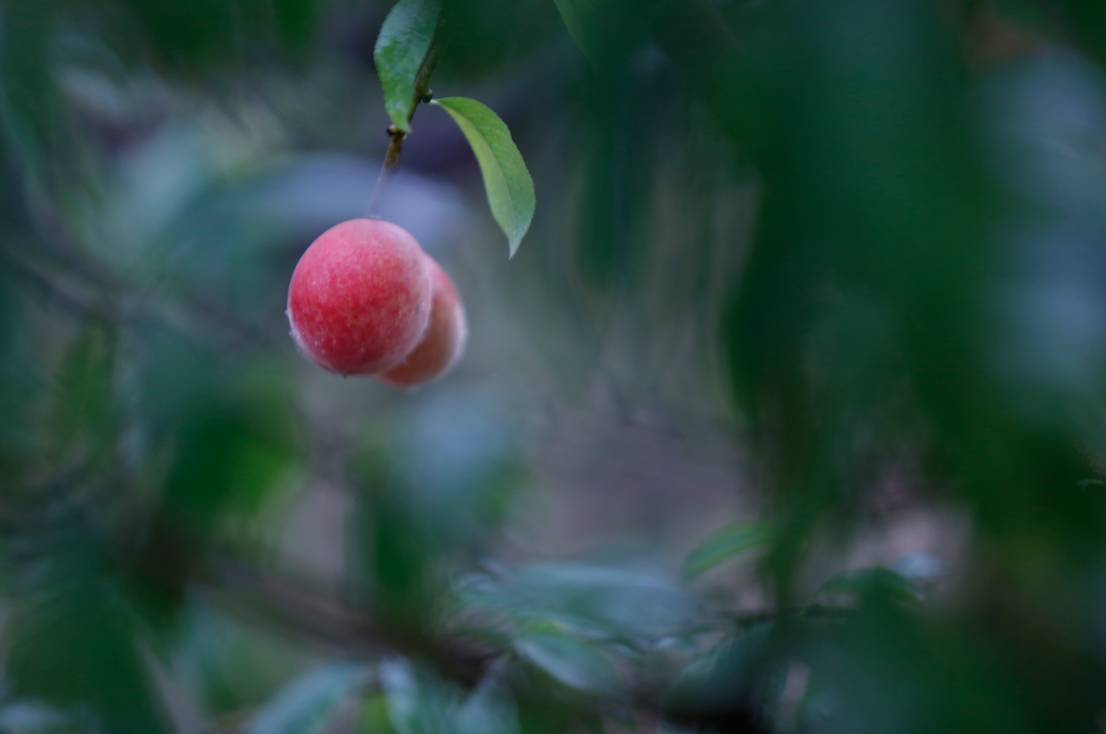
(590, 601)
(416, 703)
(75, 646)
(506, 179)
(566, 659)
(605, 31)
(307, 704)
(488, 709)
(747, 666)
(401, 49)
(83, 390)
(725, 545)
(32, 119)
(573, 17)
(869, 584)
(373, 718)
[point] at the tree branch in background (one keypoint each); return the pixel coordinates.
(83, 286)
(310, 611)
(306, 609)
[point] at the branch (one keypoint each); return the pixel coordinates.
(307, 609)
(77, 300)
(397, 136)
(83, 286)
(809, 611)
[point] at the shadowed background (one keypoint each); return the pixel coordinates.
(787, 416)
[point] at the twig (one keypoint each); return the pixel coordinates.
(397, 136)
(83, 286)
(809, 611)
(61, 292)
(304, 607)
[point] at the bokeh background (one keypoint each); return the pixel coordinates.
(787, 416)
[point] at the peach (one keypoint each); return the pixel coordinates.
(359, 300)
(444, 341)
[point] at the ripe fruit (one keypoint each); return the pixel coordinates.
(444, 339)
(359, 300)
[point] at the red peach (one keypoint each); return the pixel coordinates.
(445, 337)
(359, 300)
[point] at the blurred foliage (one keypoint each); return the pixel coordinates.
(847, 255)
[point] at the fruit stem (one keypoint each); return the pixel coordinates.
(397, 136)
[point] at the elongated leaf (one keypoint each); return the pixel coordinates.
(725, 545)
(506, 179)
(401, 48)
(81, 407)
(305, 706)
(489, 709)
(742, 667)
(416, 703)
(590, 601)
(870, 583)
(573, 17)
(605, 31)
(75, 647)
(566, 659)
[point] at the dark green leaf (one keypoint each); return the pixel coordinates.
(82, 401)
(373, 718)
(506, 178)
(31, 105)
(604, 30)
(869, 584)
(416, 703)
(588, 600)
(76, 648)
(488, 710)
(401, 49)
(729, 677)
(726, 545)
(566, 659)
(572, 13)
(305, 706)
(233, 665)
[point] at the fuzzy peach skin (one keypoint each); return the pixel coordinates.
(359, 300)
(445, 337)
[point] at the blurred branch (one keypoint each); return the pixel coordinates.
(85, 287)
(75, 299)
(303, 606)
(307, 609)
(810, 611)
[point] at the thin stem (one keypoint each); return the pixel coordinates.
(397, 136)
